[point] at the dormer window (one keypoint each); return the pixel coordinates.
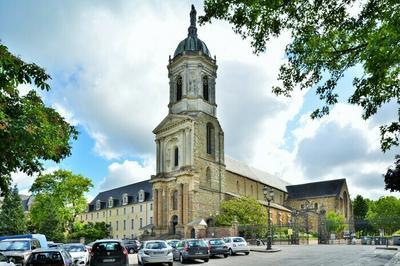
(124, 199)
(179, 89)
(205, 88)
(141, 195)
(110, 202)
(98, 205)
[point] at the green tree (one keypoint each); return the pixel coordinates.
(360, 210)
(30, 132)
(328, 38)
(65, 191)
(90, 231)
(392, 176)
(385, 214)
(245, 210)
(46, 218)
(12, 219)
(335, 223)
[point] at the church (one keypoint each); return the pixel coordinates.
(193, 175)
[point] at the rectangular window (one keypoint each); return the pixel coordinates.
(141, 208)
(91, 216)
(124, 225)
(151, 220)
(117, 211)
(116, 226)
(141, 222)
(97, 215)
(86, 217)
(151, 206)
(104, 214)
(132, 209)
(132, 224)
(124, 211)
(110, 213)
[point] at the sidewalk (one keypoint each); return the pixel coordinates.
(395, 260)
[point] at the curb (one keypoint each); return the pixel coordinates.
(265, 251)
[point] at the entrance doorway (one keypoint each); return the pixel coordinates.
(174, 222)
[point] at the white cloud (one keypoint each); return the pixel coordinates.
(25, 181)
(128, 172)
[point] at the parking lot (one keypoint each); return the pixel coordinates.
(351, 255)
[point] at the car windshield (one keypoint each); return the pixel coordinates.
(14, 245)
(74, 248)
(238, 239)
(196, 243)
(217, 242)
(45, 258)
(107, 246)
(155, 245)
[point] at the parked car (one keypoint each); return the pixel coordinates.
(78, 252)
(366, 240)
(131, 245)
(4, 261)
(18, 250)
(155, 251)
(237, 245)
(40, 237)
(173, 242)
(50, 257)
(191, 249)
(108, 252)
(54, 245)
(218, 247)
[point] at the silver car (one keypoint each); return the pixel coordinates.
(155, 251)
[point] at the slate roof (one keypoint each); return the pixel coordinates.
(133, 194)
(316, 189)
(255, 174)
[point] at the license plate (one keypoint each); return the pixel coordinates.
(108, 260)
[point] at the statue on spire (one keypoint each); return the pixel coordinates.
(193, 17)
(192, 30)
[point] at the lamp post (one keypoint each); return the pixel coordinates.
(269, 195)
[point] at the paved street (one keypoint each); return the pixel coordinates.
(307, 255)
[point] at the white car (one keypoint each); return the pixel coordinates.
(237, 245)
(155, 251)
(78, 252)
(4, 261)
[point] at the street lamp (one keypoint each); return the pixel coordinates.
(269, 195)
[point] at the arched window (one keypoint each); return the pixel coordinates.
(176, 156)
(316, 205)
(205, 88)
(175, 200)
(210, 139)
(208, 176)
(179, 88)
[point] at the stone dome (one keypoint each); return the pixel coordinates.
(192, 44)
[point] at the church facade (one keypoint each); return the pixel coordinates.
(193, 176)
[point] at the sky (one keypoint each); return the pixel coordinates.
(108, 59)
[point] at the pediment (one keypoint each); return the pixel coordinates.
(170, 121)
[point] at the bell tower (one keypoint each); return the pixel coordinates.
(188, 184)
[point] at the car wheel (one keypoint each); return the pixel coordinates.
(247, 253)
(182, 259)
(131, 250)
(206, 260)
(231, 253)
(225, 255)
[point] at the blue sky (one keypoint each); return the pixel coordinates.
(108, 63)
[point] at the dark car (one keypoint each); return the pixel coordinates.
(49, 257)
(218, 247)
(108, 252)
(131, 245)
(191, 249)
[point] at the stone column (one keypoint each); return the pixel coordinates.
(160, 208)
(180, 206)
(158, 163)
(184, 153)
(155, 195)
(166, 199)
(185, 203)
